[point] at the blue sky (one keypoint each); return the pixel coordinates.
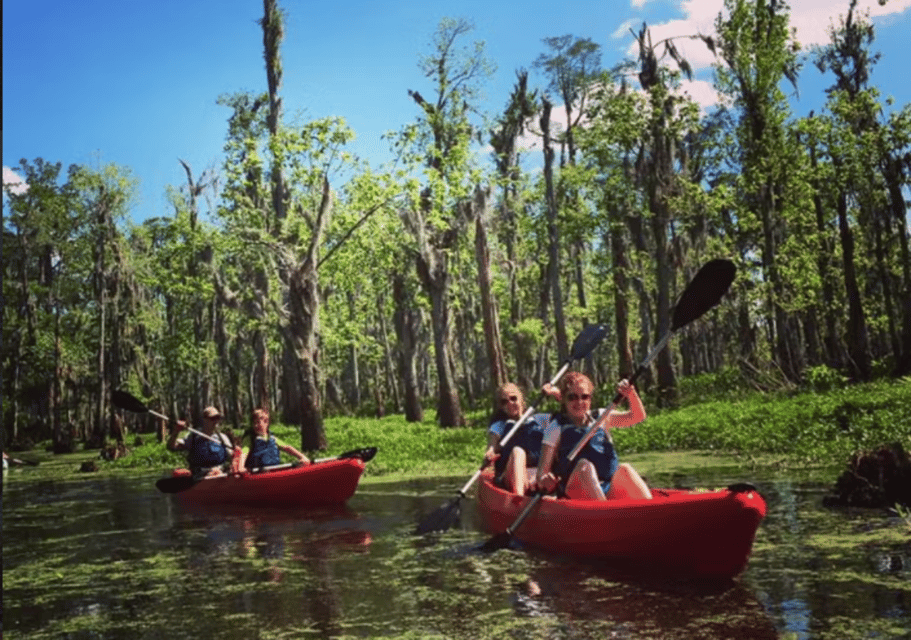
(134, 82)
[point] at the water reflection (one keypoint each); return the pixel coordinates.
(635, 604)
(113, 558)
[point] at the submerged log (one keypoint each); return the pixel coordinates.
(879, 478)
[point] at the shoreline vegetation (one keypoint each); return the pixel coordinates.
(818, 429)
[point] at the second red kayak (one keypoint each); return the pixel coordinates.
(700, 533)
(324, 483)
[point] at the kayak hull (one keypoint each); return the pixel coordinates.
(324, 483)
(700, 533)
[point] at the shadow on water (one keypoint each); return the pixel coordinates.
(110, 557)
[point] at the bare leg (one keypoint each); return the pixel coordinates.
(627, 483)
(583, 482)
(515, 475)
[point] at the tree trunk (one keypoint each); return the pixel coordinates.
(621, 301)
(389, 368)
(553, 235)
(406, 319)
(894, 180)
(490, 315)
(303, 323)
(436, 282)
(858, 348)
(667, 378)
(303, 319)
(832, 345)
(99, 429)
(273, 34)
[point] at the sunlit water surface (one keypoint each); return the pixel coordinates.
(102, 557)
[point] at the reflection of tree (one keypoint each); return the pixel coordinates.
(281, 542)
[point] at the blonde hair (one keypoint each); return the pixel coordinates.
(260, 413)
(507, 388)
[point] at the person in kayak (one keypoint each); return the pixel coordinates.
(264, 447)
(205, 457)
(515, 463)
(595, 474)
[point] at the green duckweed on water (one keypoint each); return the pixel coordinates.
(105, 556)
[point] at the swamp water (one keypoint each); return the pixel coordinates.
(109, 557)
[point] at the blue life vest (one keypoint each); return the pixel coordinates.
(263, 453)
(528, 437)
(599, 451)
(205, 454)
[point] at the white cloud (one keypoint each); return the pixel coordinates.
(814, 18)
(701, 91)
(622, 32)
(13, 182)
(811, 18)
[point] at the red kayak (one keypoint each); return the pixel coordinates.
(699, 533)
(323, 483)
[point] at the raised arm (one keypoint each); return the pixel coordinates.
(635, 415)
(172, 443)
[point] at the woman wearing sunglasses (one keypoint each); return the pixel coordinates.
(515, 463)
(595, 474)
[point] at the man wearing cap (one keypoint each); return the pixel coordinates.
(206, 455)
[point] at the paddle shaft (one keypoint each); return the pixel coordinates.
(18, 461)
(190, 429)
(288, 465)
(525, 416)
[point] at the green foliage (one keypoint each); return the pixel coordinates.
(725, 383)
(823, 378)
(819, 428)
(905, 514)
(150, 455)
(809, 426)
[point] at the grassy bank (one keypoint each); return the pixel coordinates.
(821, 428)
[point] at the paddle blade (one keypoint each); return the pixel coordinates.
(587, 340)
(441, 519)
(499, 541)
(366, 454)
(175, 484)
(704, 291)
(127, 401)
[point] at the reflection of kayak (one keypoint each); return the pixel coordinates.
(323, 483)
(703, 533)
(644, 604)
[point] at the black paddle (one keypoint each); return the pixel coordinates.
(446, 515)
(705, 290)
(176, 484)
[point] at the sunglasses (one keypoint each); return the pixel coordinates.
(572, 397)
(509, 399)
